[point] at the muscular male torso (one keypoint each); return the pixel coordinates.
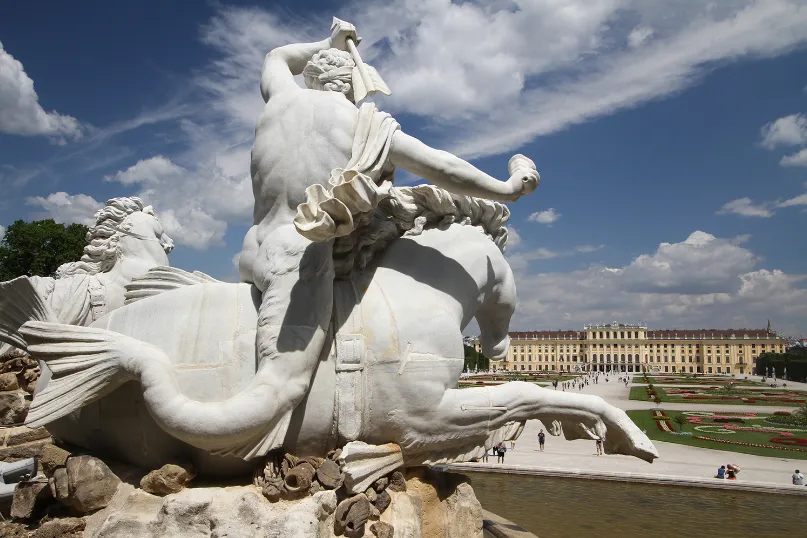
(300, 137)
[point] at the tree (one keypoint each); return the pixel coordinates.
(38, 248)
(475, 360)
(680, 420)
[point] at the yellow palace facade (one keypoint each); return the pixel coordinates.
(623, 347)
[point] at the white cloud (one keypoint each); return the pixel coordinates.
(786, 131)
(585, 249)
(797, 159)
(483, 93)
(545, 217)
(639, 35)
(745, 207)
(702, 263)
(702, 282)
(2, 231)
(194, 205)
(20, 111)
(801, 199)
(513, 238)
(66, 208)
(148, 171)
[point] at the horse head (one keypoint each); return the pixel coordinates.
(124, 229)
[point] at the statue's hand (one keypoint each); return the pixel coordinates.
(523, 181)
(340, 32)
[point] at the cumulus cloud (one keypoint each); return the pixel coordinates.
(704, 281)
(796, 159)
(148, 171)
(544, 217)
(2, 232)
(194, 205)
(66, 208)
(786, 131)
(513, 238)
(745, 207)
(20, 111)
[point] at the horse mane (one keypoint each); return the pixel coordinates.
(102, 250)
(410, 211)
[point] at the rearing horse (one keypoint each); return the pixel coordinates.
(390, 376)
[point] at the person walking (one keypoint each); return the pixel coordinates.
(798, 478)
(542, 440)
(500, 451)
(598, 442)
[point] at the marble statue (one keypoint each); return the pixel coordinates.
(347, 327)
(126, 240)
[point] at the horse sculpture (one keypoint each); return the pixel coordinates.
(126, 240)
(170, 375)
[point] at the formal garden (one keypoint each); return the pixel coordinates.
(727, 394)
(699, 380)
(780, 434)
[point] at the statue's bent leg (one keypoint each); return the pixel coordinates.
(296, 277)
(476, 412)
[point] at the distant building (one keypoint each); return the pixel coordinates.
(625, 347)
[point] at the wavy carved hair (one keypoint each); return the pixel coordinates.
(102, 250)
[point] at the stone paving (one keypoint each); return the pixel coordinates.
(677, 462)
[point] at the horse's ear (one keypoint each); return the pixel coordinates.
(148, 210)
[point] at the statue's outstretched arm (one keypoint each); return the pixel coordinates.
(456, 175)
(283, 63)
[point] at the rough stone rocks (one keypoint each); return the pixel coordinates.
(299, 478)
(381, 484)
(382, 530)
(68, 527)
(316, 487)
(382, 501)
(463, 512)
(29, 497)
(58, 484)
(334, 454)
(170, 478)
(91, 484)
(8, 381)
(351, 515)
(397, 482)
(24, 434)
(52, 457)
(13, 408)
(231, 511)
(371, 495)
(330, 475)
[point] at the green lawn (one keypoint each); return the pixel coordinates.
(644, 420)
(729, 398)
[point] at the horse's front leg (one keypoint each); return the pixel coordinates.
(482, 410)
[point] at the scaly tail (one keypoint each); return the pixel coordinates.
(85, 363)
(88, 363)
(20, 302)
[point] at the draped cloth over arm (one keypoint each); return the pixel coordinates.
(356, 189)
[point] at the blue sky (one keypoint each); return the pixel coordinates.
(671, 137)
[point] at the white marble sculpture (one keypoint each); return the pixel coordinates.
(126, 240)
(348, 325)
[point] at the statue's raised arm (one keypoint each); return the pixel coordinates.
(456, 175)
(283, 63)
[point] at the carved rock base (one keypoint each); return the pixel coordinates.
(433, 505)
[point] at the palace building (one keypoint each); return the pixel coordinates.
(624, 347)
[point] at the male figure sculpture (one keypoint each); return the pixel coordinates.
(301, 137)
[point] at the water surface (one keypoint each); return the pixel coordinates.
(571, 507)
